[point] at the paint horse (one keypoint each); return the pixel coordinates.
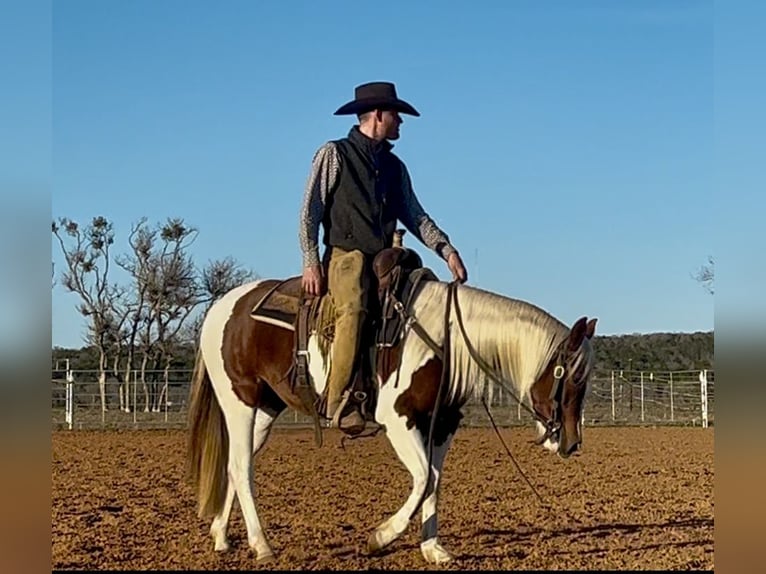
(457, 341)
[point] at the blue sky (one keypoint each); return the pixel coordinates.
(567, 149)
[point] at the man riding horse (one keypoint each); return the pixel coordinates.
(356, 191)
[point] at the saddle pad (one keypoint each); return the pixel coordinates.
(281, 306)
(281, 309)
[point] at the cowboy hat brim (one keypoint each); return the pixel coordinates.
(363, 105)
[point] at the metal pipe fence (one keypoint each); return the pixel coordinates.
(156, 399)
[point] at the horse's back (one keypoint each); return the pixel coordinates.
(222, 310)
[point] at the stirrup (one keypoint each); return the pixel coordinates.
(335, 422)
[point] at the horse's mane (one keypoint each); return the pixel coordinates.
(516, 338)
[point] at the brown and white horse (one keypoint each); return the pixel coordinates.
(490, 340)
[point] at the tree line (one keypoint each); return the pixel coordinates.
(655, 351)
(148, 324)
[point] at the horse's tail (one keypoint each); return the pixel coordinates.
(208, 443)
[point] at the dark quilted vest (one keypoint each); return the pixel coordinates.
(361, 210)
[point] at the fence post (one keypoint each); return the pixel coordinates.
(69, 399)
(672, 417)
(167, 392)
(642, 396)
(102, 389)
(703, 394)
(613, 412)
(135, 395)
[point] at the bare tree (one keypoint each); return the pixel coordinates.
(221, 276)
(705, 275)
(143, 328)
(216, 279)
(86, 252)
(138, 263)
(173, 295)
(166, 290)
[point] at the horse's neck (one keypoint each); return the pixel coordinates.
(515, 338)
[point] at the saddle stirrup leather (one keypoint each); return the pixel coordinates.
(301, 383)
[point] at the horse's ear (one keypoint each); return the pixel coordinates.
(590, 328)
(577, 334)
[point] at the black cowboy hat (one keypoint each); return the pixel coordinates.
(375, 95)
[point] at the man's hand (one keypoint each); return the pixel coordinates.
(313, 280)
(455, 265)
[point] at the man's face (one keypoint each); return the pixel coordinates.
(389, 124)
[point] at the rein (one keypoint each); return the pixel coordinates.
(551, 425)
(444, 355)
(508, 450)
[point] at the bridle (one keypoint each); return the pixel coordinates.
(553, 424)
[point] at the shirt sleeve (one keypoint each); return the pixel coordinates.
(419, 223)
(324, 172)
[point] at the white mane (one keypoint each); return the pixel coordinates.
(516, 338)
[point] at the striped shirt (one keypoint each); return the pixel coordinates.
(325, 168)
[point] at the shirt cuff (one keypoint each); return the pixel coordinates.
(311, 258)
(445, 250)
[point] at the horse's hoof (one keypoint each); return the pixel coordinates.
(266, 557)
(220, 541)
(434, 553)
(373, 544)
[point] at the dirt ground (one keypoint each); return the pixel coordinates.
(633, 499)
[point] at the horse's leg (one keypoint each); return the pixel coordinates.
(220, 522)
(432, 551)
(408, 444)
(261, 430)
(240, 424)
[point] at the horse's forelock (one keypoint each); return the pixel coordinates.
(584, 359)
